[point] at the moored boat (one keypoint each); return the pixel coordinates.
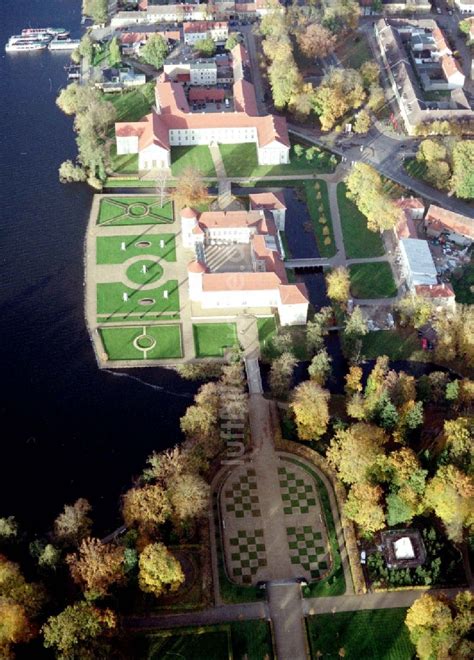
(64, 44)
(19, 45)
(49, 30)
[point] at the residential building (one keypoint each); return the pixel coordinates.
(114, 80)
(413, 209)
(193, 31)
(254, 276)
(441, 295)
(452, 226)
(436, 70)
(465, 6)
(272, 202)
(173, 124)
(131, 41)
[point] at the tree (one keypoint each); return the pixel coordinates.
(159, 570)
(450, 493)
(155, 50)
(317, 329)
(282, 342)
(353, 451)
(8, 528)
(15, 627)
(281, 373)
(148, 507)
(74, 523)
(341, 90)
(376, 98)
(414, 310)
(431, 150)
(190, 189)
(205, 47)
(440, 628)
(310, 408)
(364, 508)
(320, 367)
(233, 40)
(463, 169)
(70, 173)
(338, 285)
(353, 380)
(355, 325)
(362, 122)
(459, 436)
(14, 588)
(86, 47)
(365, 188)
(76, 631)
(96, 567)
(115, 56)
(189, 496)
(316, 41)
(455, 338)
(370, 73)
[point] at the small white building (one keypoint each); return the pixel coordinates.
(417, 263)
(403, 548)
(465, 6)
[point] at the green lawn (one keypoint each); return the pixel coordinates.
(415, 168)
(251, 640)
(160, 342)
(143, 210)
(367, 634)
(464, 286)
(241, 160)
(396, 344)
(133, 105)
(190, 644)
(354, 52)
(144, 271)
(266, 329)
(372, 280)
(109, 248)
(213, 339)
(110, 299)
(198, 157)
(124, 164)
(334, 584)
(317, 201)
(358, 240)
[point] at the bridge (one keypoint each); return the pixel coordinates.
(308, 263)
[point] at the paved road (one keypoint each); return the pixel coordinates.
(286, 612)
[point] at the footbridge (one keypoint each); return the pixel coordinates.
(308, 263)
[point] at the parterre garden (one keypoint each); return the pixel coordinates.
(142, 342)
(144, 210)
(214, 339)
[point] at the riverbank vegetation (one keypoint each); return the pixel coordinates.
(78, 585)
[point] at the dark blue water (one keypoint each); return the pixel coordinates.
(68, 429)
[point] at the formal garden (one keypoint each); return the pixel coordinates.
(115, 301)
(117, 249)
(156, 342)
(143, 210)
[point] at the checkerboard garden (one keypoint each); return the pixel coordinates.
(297, 491)
(241, 498)
(247, 554)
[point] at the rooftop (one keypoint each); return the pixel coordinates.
(442, 219)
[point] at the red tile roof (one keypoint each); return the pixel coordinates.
(196, 267)
(293, 294)
(188, 212)
(268, 201)
(435, 290)
(442, 219)
(208, 95)
(203, 26)
(244, 97)
(409, 203)
(405, 228)
(450, 66)
(240, 281)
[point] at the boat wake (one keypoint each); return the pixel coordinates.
(158, 388)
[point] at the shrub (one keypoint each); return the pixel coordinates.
(322, 220)
(326, 231)
(327, 240)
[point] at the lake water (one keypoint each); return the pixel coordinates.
(68, 429)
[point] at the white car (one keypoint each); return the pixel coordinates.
(363, 557)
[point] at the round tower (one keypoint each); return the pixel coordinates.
(188, 223)
(196, 270)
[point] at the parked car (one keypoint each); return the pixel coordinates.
(424, 344)
(363, 557)
(438, 10)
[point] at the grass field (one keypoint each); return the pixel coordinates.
(354, 52)
(109, 248)
(134, 104)
(266, 329)
(190, 644)
(318, 208)
(158, 342)
(198, 157)
(368, 634)
(251, 640)
(358, 240)
(144, 210)
(396, 344)
(145, 271)
(213, 339)
(372, 280)
(415, 168)
(110, 299)
(241, 160)
(124, 164)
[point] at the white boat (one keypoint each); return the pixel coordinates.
(38, 36)
(18, 45)
(64, 44)
(52, 31)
